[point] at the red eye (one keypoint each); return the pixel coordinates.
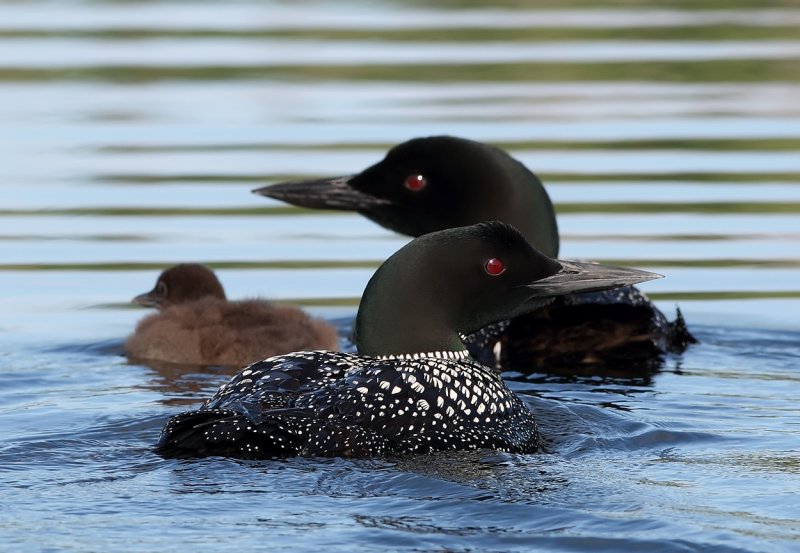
(494, 267)
(415, 183)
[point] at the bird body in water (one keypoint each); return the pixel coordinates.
(429, 184)
(412, 387)
(197, 325)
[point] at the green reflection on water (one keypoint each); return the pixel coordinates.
(165, 211)
(148, 266)
(722, 178)
(657, 296)
(716, 237)
(609, 4)
(314, 264)
(186, 178)
(739, 295)
(534, 34)
(679, 207)
(603, 178)
(724, 144)
(704, 263)
(662, 296)
(751, 70)
(561, 208)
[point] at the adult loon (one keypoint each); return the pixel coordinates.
(412, 387)
(438, 182)
(197, 325)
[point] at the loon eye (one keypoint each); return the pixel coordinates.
(494, 267)
(415, 183)
(161, 289)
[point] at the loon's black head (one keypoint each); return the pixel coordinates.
(459, 280)
(435, 183)
(182, 283)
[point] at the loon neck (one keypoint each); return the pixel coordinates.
(386, 327)
(401, 315)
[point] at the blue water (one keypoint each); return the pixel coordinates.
(133, 132)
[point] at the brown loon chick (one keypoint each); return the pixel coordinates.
(197, 325)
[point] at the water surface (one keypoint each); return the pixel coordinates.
(133, 133)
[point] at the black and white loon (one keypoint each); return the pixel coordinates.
(434, 183)
(412, 387)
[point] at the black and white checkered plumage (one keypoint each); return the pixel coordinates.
(338, 404)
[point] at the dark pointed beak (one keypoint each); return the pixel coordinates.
(147, 299)
(576, 277)
(329, 193)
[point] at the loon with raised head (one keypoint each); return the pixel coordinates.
(412, 387)
(197, 325)
(429, 184)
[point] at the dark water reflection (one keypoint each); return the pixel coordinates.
(133, 133)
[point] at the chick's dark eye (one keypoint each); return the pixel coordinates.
(161, 289)
(415, 183)
(494, 267)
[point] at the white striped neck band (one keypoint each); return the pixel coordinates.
(463, 354)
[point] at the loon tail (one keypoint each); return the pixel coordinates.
(224, 432)
(281, 433)
(680, 337)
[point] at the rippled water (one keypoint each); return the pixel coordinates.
(132, 133)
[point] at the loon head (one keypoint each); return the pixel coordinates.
(434, 183)
(182, 283)
(459, 280)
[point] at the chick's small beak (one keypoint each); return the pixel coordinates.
(147, 299)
